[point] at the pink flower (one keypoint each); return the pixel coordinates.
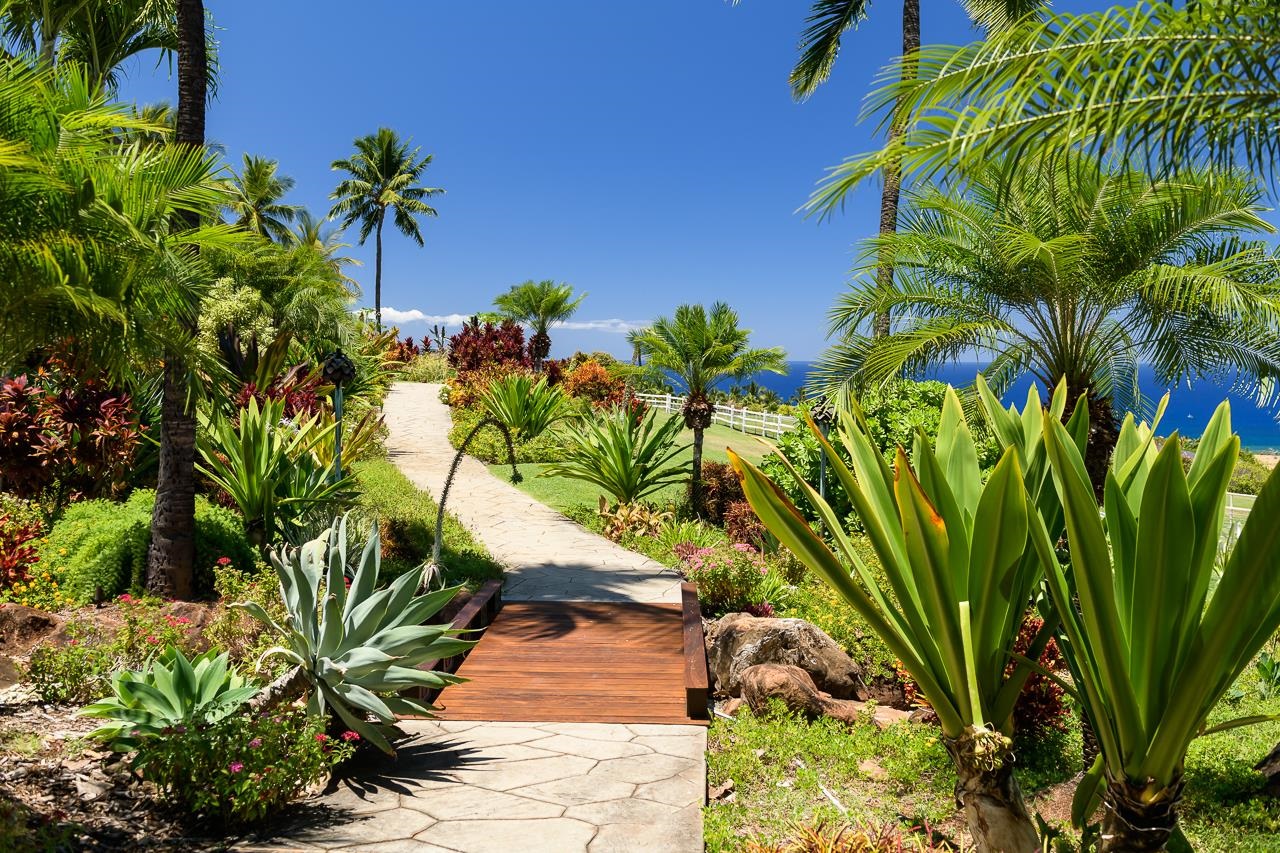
(255, 743)
(350, 736)
(152, 639)
(224, 561)
(235, 767)
(321, 738)
(125, 599)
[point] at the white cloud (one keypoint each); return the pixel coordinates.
(396, 317)
(399, 318)
(618, 327)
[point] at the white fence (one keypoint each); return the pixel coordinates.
(766, 424)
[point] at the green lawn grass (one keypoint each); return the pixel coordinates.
(562, 493)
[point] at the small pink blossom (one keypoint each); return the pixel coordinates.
(125, 599)
(235, 766)
(255, 743)
(224, 561)
(350, 736)
(321, 738)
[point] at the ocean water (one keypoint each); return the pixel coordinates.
(1189, 407)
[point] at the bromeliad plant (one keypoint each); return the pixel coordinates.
(1152, 648)
(170, 693)
(628, 457)
(353, 650)
(960, 577)
(270, 467)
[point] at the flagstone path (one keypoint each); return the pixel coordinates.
(532, 786)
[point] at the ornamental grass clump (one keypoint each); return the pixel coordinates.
(958, 575)
(1153, 645)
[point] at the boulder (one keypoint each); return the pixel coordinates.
(739, 641)
(796, 689)
(23, 627)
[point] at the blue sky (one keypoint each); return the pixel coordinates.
(648, 153)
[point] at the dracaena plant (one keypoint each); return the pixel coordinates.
(1153, 649)
(960, 577)
(354, 650)
(170, 692)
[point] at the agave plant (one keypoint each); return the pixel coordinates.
(960, 577)
(269, 467)
(626, 456)
(171, 692)
(1153, 651)
(354, 649)
(525, 407)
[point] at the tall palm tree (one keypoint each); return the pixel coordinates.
(384, 176)
(1185, 83)
(256, 204)
(538, 305)
(1076, 272)
(827, 24)
(698, 349)
(171, 556)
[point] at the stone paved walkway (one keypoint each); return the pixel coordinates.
(534, 787)
(547, 556)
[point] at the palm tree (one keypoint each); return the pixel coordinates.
(698, 350)
(384, 174)
(171, 556)
(256, 204)
(538, 305)
(325, 239)
(827, 24)
(1185, 84)
(1074, 272)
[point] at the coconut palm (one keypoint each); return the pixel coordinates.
(538, 305)
(384, 174)
(1076, 272)
(1183, 84)
(326, 239)
(256, 202)
(171, 556)
(829, 21)
(697, 350)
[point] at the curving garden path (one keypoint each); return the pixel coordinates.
(479, 786)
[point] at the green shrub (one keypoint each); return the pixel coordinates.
(98, 549)
(1249, 475)
(489, 445)
(525, 407)
(426, 367)
(81, 670)
(244, 767)
(237, 633)
(735, 579)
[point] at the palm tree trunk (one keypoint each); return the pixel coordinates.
(377, 274)
(172, 554)
(988, 793)
(695, 485)
(891, 193)
(1137, 820)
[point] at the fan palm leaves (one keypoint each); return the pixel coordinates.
(697, 349)
(384, 175)
(256, 201)
(1164, 84)
(539, 305)
(1072, 272)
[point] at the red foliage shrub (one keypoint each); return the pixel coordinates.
(466, 387)
(479, 346)
(742, 525)
(554, 370)
(296, 387)
(17, 556)
(720, 489)
(67, 434)
(405, 351)
(593, 382)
